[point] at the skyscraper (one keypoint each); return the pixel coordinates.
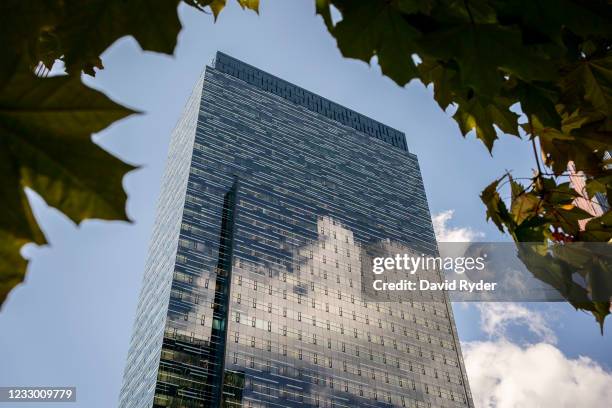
(252, 290)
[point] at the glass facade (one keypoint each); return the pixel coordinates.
(252, 294)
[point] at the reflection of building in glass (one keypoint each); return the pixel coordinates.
(252, 292)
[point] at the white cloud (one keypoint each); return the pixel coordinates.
(495, 319)
(446, 233)
(504, 375)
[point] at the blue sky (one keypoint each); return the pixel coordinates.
(71, 322)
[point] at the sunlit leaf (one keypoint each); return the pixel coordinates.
(524, 204)
(250, 4)
(45, 132)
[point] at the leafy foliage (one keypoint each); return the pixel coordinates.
(553, 58)
(45, 133)
(46, 123)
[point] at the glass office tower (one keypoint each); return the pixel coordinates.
(252, 292)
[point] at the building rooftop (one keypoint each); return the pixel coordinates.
(293, 93)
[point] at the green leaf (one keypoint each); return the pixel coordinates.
(378, 28)
(443, 78)
(485, 53)
(566, 218)
(557, 272)
(460, 12)
(589, 81)
(551, 270)
(554, 194)
(45, 133)
(557, 205)
(25, 33)
(598, 229)
(599, 184)
(479, 115)
(216, 6)
(250, 4)
(12, 265)
(535, 229)
(415, 6)
(323, 9)
(537, 100)
(580, 17)
(573, 142)
(496, 208)
(89, 27)
(524, 205)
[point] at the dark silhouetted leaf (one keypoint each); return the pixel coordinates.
(589, 81)
(91, 26)
(484, 53)
(598, 229)
(443, 78)
(581, 17)
(599, 184)
(482, 116)
(322, 7)
(537, 101)
(378, 28)
(496, 208)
